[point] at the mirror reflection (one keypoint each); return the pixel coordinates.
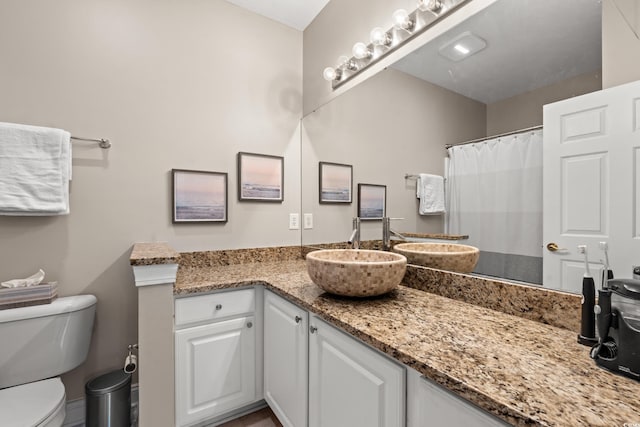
(400, 122)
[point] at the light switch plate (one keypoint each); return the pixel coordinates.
(308, 221)
(294, 221)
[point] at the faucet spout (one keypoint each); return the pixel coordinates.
(387, 232)
(354, 239)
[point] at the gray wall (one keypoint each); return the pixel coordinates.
(387, 126)
(174, 84)
(620, 45)
(525, 110)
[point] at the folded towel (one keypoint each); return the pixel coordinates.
(430, 190)
(35, 169)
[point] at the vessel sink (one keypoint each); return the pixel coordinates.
(443, 256)
(356, 272)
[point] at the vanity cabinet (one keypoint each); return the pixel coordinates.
(286, 360)
(316, 375)
(215, 354)
(429, 404)
(351, 384)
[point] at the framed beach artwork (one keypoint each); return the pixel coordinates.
(199, 196)
(335, 182)
(372, 201)
(260, 178)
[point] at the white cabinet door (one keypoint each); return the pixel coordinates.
(429, 404)
(285, 360)
(351, 385)
(215, 369)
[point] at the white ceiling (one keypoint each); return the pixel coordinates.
(530, 44)
(297, 14)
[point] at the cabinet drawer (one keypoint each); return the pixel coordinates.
(209, 307)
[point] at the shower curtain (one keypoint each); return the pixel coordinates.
(494, 195)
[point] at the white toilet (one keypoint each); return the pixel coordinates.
(36, 344)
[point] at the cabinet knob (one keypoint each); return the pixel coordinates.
(298, 319)
(312, 329)
(218, 306)
(249, 324)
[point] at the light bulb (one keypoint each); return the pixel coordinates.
(343, 61)
(361, 51)
(380, 37)
(330, 74)
(401, 20)
(434, 6)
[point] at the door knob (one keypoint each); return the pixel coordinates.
(298, 319)
(312, 329)
(553, 247)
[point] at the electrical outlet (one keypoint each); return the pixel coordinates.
(294, 221)
(308, 221)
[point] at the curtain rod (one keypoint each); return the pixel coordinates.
(494, 136)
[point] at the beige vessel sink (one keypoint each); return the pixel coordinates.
(356, 272)
(443, 256)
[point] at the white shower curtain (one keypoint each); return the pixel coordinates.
(494, 195)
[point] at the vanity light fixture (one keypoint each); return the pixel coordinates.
(361, 51)
(405, 27)
(380, 37)
(331, 74)
(433, 6)
(462, 46)
(344, 64)
(402, 20)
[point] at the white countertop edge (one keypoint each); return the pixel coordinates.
(158, 274)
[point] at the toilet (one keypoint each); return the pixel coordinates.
(38, 344)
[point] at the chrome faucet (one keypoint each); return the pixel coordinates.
(354, 239)
(387, 232)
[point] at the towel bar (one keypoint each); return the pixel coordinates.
(102, 142)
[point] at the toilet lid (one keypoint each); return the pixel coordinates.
(30, 404)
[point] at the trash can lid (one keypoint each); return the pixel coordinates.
(108, 383)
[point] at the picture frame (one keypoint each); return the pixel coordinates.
(199, 196)
(372, 201)
(260, 178)
(335, 183)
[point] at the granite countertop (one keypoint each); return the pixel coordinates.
(525, 372)
(153, 254)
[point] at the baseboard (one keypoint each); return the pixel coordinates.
(75, 410)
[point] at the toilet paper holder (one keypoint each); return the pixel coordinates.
(131, 361)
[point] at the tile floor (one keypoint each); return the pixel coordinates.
(261, 418)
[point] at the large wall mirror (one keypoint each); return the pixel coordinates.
(399, 121)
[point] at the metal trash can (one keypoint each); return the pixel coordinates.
(108, 400)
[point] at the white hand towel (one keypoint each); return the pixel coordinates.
(35, 169)
(430, 190)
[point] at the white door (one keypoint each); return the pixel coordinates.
(591, 184)
(351, 385)
(215, 369)
(286, 360)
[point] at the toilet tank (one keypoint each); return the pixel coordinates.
(44, 341)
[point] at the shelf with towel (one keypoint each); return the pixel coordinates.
(102, 142)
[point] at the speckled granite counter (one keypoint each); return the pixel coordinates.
(153, 253)
(525, 372)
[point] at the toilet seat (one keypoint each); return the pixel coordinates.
(36, 404)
